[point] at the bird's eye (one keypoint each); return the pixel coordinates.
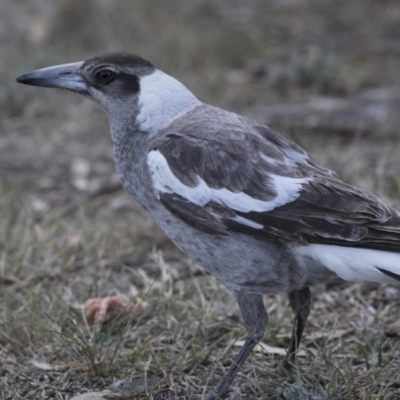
(105, 76)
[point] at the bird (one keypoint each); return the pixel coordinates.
(245, 202)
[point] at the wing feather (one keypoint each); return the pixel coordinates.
(247, 178)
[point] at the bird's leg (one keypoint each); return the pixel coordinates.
(300, 302)
(255, 320)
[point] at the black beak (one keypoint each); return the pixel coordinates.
(64, 76)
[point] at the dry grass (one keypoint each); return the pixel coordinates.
(69, 233)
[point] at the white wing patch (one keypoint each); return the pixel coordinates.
(164, 181)
(352, 264)
(247, 222)
(288, 189)
(269, 160)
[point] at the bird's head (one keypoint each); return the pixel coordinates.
(127, 87)
(105, 79)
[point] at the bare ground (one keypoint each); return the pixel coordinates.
(326, 73)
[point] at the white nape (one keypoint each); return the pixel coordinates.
(162, 99)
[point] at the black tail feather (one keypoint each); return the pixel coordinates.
(390, 274)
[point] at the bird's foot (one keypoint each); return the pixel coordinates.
(189, 396)
(285, 369)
